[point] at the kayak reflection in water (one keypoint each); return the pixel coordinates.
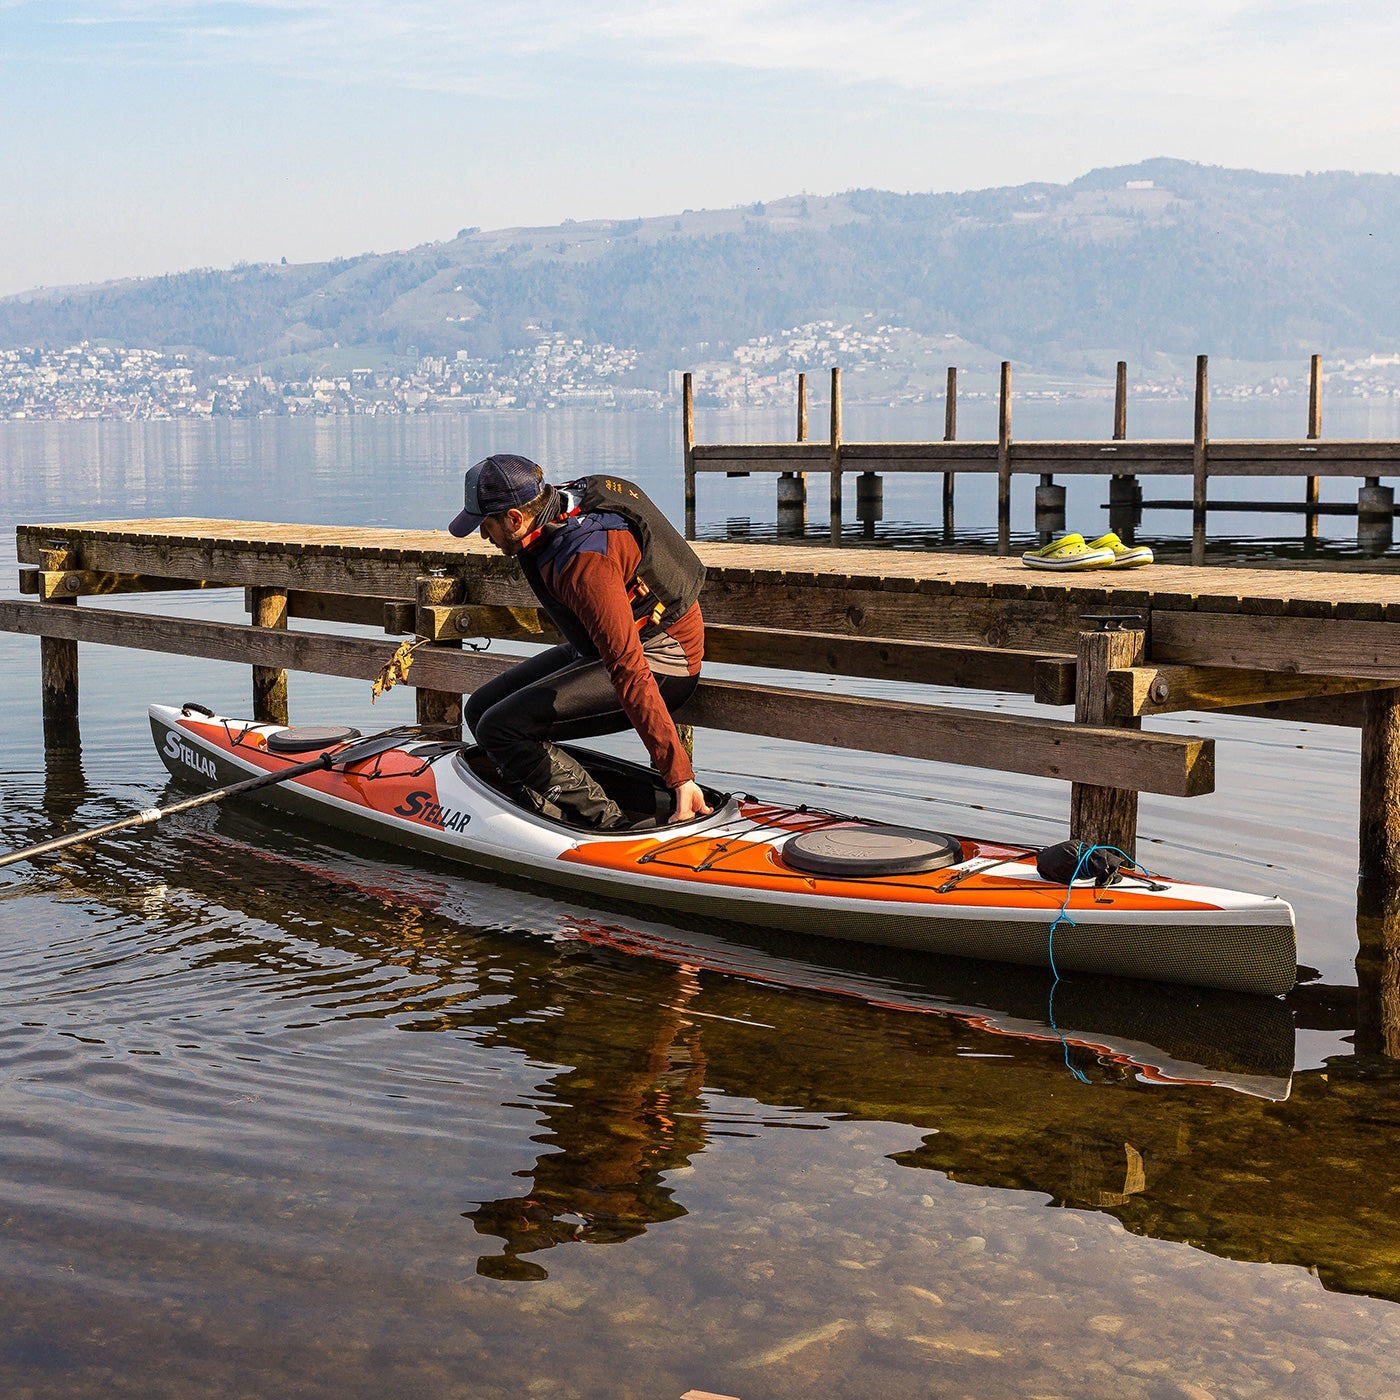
(622, 586)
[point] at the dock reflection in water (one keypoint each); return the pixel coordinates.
(212, 1117)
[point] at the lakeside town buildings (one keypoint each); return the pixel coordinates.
(89, 381)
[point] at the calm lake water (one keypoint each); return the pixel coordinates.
(283, 1114)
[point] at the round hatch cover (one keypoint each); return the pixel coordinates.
(310, 738)
(859, 851)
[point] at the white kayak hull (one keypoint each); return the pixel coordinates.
(429, 798)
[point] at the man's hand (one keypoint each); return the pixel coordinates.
(690, 802)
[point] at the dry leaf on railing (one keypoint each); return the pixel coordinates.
(395, 669)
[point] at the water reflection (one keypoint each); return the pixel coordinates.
(635, 1050)
(612, 1132)
(1377, 977)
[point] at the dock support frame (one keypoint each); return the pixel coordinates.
(58, 665)
(441, 709)
(269, 684)
(1105, 816)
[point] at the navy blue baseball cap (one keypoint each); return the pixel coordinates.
(496, 483)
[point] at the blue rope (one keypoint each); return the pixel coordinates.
(1064, 918)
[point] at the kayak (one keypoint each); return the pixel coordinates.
(764, 864)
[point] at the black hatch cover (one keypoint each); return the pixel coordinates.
(310, 738)
(862, 851)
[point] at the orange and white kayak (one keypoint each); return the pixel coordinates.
(755, 862)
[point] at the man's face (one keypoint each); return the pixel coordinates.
(504, 531)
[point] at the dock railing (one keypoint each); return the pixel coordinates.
(1122, 459)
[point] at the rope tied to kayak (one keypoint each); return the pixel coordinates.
(1086, 852)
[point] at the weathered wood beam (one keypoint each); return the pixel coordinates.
(1157, 690)
(317, 652)
(364, 571)
(1342, 711)
(439, 708)
(1055, 680)
(453, 622)
(1380, 792)
(1100, 814)
(52, 585)
(396, 617)
(1175, 766)
(1046, 748)
(900, 609)
(1238, 458)
(879, 658)
(268, 608)
(1321, 646)
(974, 666)
(58, 663)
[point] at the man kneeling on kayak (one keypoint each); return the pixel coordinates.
(621, 585)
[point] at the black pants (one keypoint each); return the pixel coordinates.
(556, 696)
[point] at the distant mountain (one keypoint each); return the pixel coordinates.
(1164, 256)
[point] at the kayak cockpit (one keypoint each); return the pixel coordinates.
(637, 789)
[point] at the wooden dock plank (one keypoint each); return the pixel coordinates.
(384, 563)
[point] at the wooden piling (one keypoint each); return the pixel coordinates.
(835, 455)
(269, 609)
(58, 664)
(688, 434)
(792, 486)
(1004, 463)
(1120, 403)
(1314, 432)
(1198, 463)
(1378, 877)
(1378, 983)
(1105, 816)
(1379, 847)
(440, 708)
(950, 434)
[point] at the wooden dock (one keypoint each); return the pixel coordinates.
(1316, 646)
(1121, 459)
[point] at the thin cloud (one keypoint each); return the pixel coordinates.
(1011, 55)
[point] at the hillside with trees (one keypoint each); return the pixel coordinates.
(1161, 257)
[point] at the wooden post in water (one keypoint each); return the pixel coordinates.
(1104, 816)
(1198, 463)
(835, 455)
(442, 708)
(1378, 877)
(950, 434)
(1314, 432)
(688, 434)
(1004, 463)
(1124, 493)
(58, 663)
(269, 684)
(792, 486)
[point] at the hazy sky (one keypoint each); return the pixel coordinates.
(142, 138)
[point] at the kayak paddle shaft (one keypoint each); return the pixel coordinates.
(154, 814)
